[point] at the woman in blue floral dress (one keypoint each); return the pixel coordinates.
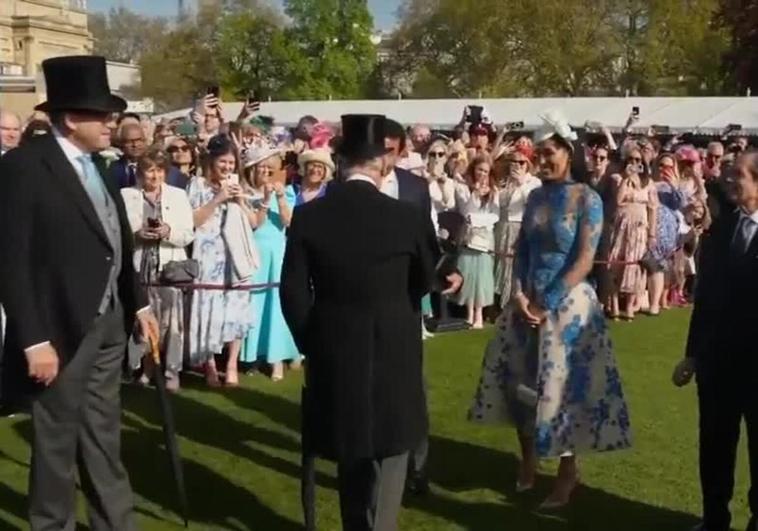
(227, 257)
(670, 201)
(550, 370)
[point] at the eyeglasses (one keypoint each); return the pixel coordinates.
(436, 154)
(174, 149)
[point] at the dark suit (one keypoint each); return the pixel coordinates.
(356, 266)
(414, 190)
(722, 341)
(121, 175)
(55, 267)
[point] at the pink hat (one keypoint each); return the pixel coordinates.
(321, 135)
(687, 154)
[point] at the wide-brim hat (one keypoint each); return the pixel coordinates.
(323, 156)
(78, 83)
(256, 155)
(363, 136)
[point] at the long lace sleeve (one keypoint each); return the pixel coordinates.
(590, 211)
(521, 260)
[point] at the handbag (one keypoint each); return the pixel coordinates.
(651, 264)
(180, 271)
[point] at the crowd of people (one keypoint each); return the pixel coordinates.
(553, 230)
(244, 178)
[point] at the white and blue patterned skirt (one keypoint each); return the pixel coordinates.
(568, 361)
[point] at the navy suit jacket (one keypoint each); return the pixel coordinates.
(119, 174)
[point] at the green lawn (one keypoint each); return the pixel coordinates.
(241, 453)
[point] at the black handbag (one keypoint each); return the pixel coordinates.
(180, 272)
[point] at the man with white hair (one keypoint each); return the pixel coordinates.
(10, 131)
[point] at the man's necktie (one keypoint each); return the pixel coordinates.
(93, 183)
(744, 235)
(131, 174)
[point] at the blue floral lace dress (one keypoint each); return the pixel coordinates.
(559, 381)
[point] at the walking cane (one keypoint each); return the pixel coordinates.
(169, 429)
(308, 471)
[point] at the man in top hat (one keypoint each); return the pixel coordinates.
(356, 266)
(72, 296)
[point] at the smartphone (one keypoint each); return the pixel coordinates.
(512, 126)
(186, 129)
(153, 223)
(475, 114)
(733, 127)
(636, 111)
(213, 90)
(234, 178)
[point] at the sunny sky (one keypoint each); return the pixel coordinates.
(383, 10)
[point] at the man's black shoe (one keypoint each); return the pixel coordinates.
(417, 484)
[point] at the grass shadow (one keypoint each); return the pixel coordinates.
(214, 499)
(457, 466)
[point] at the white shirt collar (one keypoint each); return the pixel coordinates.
(71, 151)
(753, 217)
(361, 177)
(390, 178)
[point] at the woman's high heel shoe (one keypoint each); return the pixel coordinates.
(552, 504)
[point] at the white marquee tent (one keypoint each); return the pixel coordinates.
(705, 115)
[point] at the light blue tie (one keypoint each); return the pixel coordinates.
(93, 182)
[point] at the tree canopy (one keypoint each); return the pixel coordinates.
(320, 49)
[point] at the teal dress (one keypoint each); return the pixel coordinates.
(270, 340)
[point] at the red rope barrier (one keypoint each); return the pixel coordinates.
(191, 286)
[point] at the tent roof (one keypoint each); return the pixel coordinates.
(708, 115)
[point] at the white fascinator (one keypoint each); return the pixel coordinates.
(554, 122)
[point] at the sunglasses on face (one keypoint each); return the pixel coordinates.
(436, 154)
(183, 149)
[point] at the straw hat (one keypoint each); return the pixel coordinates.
(316, 155)
(256, 155)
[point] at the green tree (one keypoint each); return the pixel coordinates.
(329, 50)
(123, 35)
(251, 54)
(563, 48)
(178, 68)
(739, 18)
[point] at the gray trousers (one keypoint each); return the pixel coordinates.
(371, 492)
(77, 424)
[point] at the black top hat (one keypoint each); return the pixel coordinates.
(362, 136)
(78, 83)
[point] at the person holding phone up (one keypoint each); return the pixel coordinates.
(633, 234)
(226, 252)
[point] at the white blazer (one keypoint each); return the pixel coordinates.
(176, 212)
